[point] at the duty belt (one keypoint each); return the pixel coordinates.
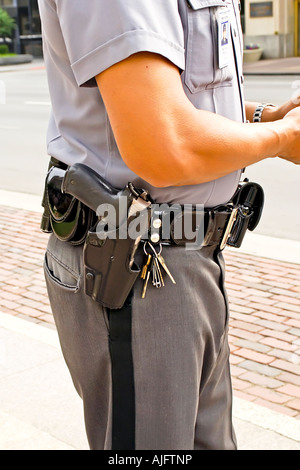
(72, 199)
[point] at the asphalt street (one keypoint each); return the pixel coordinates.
(23, 126)
(23, 159)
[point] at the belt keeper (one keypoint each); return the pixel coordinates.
(156, 228)
(210, 228)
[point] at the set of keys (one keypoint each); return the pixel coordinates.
(154, 261)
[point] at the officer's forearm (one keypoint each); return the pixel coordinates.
(164, 139)
(215, 146)
(205, 147)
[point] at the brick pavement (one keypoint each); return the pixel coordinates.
(264, 300)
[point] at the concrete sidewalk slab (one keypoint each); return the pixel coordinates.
(284, 66)
(39, 408)
(36, 63)
(281, 66)
(29, 202)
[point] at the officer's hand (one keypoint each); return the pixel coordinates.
(292, 149)
(274, 113)
(281, 111)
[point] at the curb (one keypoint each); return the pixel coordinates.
(271, 74)
(264, 246)
(15, 60)
(267, 419)
(268, 67)
(28, 202)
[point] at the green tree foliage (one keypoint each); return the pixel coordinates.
(7, 25)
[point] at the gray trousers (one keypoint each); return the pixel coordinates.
(182, 384)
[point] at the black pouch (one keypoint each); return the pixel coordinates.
(249, 201)
(64, 215)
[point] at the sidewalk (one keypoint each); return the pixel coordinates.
(286, 66)
(39, 408)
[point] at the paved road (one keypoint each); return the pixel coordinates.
(23, 160)
(23, 125)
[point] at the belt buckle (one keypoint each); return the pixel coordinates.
(230, 223)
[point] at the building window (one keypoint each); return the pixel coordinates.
(28, 38)
(7, 3)
(243, 15)
(29, 20)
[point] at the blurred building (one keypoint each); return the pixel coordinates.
(27, 39)
(274, 25)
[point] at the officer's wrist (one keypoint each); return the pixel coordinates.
(286, 131)
(266, 113)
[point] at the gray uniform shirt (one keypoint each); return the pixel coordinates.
(83, 38)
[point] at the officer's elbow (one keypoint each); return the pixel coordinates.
(172, 166)
(154, 171)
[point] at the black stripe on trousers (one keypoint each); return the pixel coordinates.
(123, 407)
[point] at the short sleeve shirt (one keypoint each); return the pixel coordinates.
(83, 38)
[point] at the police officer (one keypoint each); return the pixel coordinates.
(145, 92)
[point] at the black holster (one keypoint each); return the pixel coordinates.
(71, 201)
(64, 215)
(109, 268)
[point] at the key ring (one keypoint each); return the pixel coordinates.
(153, 249)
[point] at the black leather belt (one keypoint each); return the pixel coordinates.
(222, 225)
(209, 227)
(71, 190)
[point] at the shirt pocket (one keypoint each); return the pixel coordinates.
(202, 59)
